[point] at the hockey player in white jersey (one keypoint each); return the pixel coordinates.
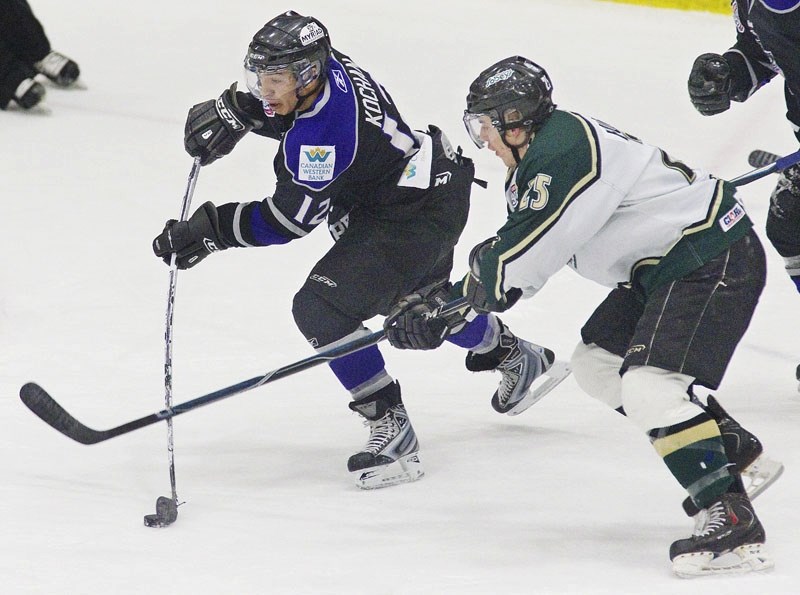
(685, 268)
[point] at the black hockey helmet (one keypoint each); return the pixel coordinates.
(289, 42)
(514, 93)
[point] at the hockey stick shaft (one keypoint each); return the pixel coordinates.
(777, 166)
(44, 406)
(173, 280)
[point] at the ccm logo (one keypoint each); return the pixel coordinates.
(226, 115)
(323, 279)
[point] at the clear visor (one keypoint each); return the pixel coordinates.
(482, 127)
(479, 127)
(265, 82)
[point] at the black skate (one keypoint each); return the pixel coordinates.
(29, 93)
(744, 451)
(391, 455)
(729, 540)
(58, 68)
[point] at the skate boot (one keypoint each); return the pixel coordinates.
(391, 455)
(730, 539)
(29, 93)
(744, 451)
(58, 68)
(520, 362)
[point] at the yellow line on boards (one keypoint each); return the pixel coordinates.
(719, 6)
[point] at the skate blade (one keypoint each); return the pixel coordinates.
(554, 376)
(403, 470)
(761, 474)
(745, 558)
(40, 109)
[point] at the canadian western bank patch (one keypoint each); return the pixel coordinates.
(317, 163)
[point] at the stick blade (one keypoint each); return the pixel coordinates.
(166, 513)
(45, 407)
(759, 158)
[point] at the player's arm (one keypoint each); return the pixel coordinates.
(525, 253)
(715, 80)
(750, 67)
(290, 213)
(286, 215)
(784, 44)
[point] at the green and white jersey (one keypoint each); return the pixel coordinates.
(615, 209)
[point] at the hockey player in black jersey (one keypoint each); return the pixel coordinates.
(25, 52)
(767, 45)
(664, 237)
(395, 200)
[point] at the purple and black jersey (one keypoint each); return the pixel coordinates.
(350, 149)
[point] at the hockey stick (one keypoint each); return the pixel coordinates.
(166, 509)
(43, 405)
(775, 166)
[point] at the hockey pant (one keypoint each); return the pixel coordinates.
(642, 356)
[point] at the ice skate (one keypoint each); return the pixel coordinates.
(58, 68)
(728, 540)
(521, 363)
(29, 93)
(745, 451)
(391, 455)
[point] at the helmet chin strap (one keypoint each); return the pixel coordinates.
(302, 98)
(515, 148)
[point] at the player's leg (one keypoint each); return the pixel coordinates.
(687, 334)
(597, 362)
(605, 338)
(372, 265)
(783, 226)
(391, 453)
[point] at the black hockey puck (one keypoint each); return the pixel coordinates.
(166, 513)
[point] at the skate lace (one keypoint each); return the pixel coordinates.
(507, 384)
(710, 520)
(381, 433)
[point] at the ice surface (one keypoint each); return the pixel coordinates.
(566, 498)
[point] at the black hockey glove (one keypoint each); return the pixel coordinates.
(473, 289)
(710, 84)
(215, 126)
(411, 323)
(190, 240)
